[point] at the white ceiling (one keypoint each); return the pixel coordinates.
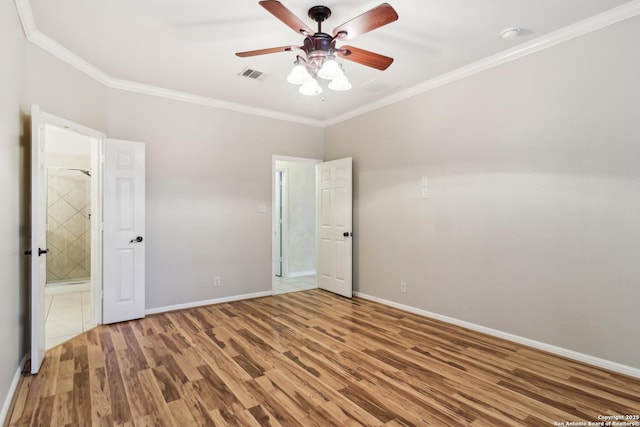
(189, 45)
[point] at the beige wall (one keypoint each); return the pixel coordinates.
(532, 225)
(62, 90)
(208, 171)
(12, 188)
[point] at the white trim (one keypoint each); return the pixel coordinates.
(12, 390)
(570, 354)
(596, 22)
(26, 17)
(209, 102)
(302, 273)
(284, 225)
(62, 53)
(60, 122)
(207, 302)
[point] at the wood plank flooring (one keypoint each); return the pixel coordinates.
(310, 359)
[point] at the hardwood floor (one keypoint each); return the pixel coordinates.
(310, 359)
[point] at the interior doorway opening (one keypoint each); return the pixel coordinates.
(294, 224)
(72, 233)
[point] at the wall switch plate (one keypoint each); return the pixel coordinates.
(262, 209)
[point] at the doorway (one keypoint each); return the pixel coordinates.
(294, 224)
(72, 197)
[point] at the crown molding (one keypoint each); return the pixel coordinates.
(209, 102)
(596, 22)
(54, 48)
(26, 17)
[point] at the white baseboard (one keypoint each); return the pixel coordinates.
(570, 354)
(207, 302)
(66, 287)
(12, 390)
(302, 273)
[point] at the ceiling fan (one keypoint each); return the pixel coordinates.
(320, 48)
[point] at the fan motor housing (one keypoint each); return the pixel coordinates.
(319, 13)
(319, 41)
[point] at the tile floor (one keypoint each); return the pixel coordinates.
(283, 285)
(68, 313)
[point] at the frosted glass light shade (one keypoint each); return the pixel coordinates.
(310, 87)
(330, 70)
(340, 83)
(298, 75)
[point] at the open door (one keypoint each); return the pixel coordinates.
(334, 226)
(38, 249)
(124, 227)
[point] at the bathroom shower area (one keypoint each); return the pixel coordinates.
(69, 225)
(69, 230)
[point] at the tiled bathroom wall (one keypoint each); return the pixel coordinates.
(68, 223)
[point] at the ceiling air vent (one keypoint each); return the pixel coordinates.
(252, 74)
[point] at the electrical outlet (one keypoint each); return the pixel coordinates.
(217, 282)
(403, 287)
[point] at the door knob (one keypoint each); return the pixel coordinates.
(137, 240)
(42, 251)
(347, 234)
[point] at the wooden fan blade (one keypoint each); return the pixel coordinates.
(365, 57)
(368, 21)
(266, 51)
(285, 15)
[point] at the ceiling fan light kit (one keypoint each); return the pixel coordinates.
(299, 74)
(320, 48)
(340, 83)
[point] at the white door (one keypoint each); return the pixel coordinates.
(38, 237)
(334, 226)
(124, 226)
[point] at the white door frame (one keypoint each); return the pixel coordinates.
(280, 222)
(275, 158)
(96, 223)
